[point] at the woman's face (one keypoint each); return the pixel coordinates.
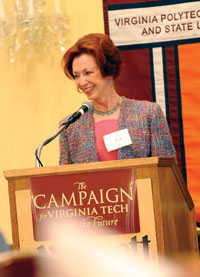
(88, 77)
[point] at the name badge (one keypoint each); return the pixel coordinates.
(117, 140)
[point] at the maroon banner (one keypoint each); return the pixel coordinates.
(103, 201)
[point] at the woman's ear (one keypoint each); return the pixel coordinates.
(110, 78)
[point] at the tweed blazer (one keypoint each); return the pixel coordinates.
(146, 124)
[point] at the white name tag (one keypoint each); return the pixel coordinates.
(117, 140)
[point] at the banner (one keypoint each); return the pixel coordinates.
(160, 48)
(87, 201)
(143, 243)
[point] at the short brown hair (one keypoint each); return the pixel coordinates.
(101, 47)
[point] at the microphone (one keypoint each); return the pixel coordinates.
(86, 106)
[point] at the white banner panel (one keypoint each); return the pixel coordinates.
(146, 25)
(159, 78)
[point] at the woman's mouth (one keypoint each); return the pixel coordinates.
(89, 90)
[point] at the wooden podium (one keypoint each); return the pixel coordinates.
(161, 189)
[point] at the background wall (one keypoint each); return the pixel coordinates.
(35, 96)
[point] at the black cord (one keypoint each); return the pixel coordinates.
(40, 163)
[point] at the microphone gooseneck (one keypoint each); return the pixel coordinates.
(86, 106)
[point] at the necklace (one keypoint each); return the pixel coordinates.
(108, 112)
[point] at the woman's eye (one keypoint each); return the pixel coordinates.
(75, 76)
(89, 72)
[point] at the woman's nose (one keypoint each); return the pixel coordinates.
(82, 80)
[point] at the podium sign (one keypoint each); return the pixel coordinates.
(103, 201)
(142, 243)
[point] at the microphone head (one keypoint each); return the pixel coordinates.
(88, 104)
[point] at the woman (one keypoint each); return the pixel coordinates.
(138, 128)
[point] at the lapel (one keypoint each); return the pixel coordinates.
(127, 151)
(88, 134)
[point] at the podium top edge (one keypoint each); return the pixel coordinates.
(84, 167)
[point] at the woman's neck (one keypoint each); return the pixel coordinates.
(108, 101)
(107, 107)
